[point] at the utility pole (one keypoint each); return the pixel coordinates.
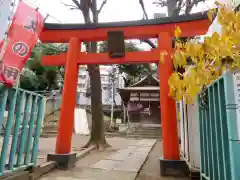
(113, 92)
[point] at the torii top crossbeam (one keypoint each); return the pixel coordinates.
(191, 25)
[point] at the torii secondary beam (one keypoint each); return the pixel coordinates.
(103, 58)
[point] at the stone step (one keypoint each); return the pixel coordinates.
(132, 135)
(148, 129)
(147, 132)
(50, 132)
(143, 137)
(156, 132)
(50, 127)
(143, 127)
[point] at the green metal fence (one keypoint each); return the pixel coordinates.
(21, 115)
(220, 129)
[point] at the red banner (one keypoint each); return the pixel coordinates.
(1, 45)
(23, 34)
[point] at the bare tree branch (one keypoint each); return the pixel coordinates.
(161, 3)
(69, 5)
(78, 4)
(101, 7)
(84, 6)
(143, 8)
(190, 4)
(180, 5)
(149, 42)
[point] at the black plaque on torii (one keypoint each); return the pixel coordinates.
(116, 45)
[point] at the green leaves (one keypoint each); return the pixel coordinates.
(38, 77)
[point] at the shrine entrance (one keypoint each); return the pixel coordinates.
(142, 102)
(115, 33)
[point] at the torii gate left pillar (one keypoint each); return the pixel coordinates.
(63, 155)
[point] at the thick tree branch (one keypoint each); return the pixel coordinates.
(78, 4)
(143, 8)
(149, 42)
(161, 3)
(101, 7)
(180, 5)
(69, 5)
(190, 4)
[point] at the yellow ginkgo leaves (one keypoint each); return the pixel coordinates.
(162, 56)
(175, 86)
(177, 32)
(179, 59)
(206, 61)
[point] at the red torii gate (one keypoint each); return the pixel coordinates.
(163, 29)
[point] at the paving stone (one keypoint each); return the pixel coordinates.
(90, 174)
(128, 166)
(131, 148)
(106, 164)
(121, 165)
(143, 149)
(137, 158)
(132, 164)
(118, 156)
(146, 142)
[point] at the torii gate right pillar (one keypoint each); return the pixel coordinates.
(170, 163)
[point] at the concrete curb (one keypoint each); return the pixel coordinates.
(131, 136)
(51, 165)
(145, 160)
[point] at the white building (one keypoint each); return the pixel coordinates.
(84, 84)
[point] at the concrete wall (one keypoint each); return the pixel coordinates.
(189, 133)
(52, 109)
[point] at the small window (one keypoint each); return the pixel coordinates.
(103, 78)
(81, 85)
(82, 76)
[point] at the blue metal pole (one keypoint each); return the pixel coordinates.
(4, 95)
(40, 116)
(224, 130)
(20, 110)
(10, 118)
(24, 129)
(30, 132)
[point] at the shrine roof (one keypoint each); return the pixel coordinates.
(148, 80)
(146, 88)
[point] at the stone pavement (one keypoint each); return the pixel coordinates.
(123, 164)
(47, 145)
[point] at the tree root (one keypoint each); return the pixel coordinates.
(100, 144)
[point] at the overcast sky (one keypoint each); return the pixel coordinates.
(114, 10)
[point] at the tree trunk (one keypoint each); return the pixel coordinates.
(172, 8)
(97, 136)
